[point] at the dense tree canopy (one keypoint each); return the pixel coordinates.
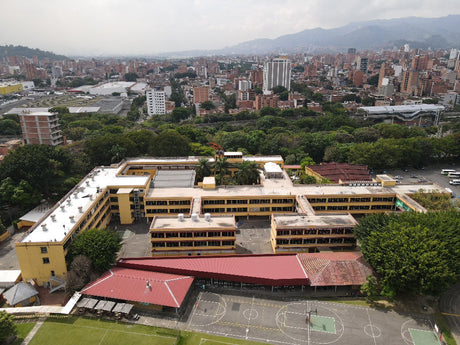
(7, 326)
(99, 245)
(412, 252)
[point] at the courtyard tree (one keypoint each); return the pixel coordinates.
(99, 245)
(248, 173)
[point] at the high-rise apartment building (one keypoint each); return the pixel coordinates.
(40, 128)
(362, 64)
(156, 102)
(277, 72)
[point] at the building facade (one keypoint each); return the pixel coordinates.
(40, 128)
(193, 220)
(277, 72)
(156, 102)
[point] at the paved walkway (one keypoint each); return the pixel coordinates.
(450, 307)
(33, 331)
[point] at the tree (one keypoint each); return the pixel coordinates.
(221, 169)
(171, 144)
(307, 161)
(317, 97)
(208, 105)
(180, 114)
(203, 168)
(7, 326)
(81, 273)
(370, 289)
(131, 76)
(368, 101)
(248, 173)
(412, 252)
(99, 245)
(433, 201)
(374, 80)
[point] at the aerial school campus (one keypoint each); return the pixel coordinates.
(196, 280)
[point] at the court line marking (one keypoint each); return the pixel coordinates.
(372, 327)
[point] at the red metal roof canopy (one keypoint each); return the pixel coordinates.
(141, 286)
(271, 270)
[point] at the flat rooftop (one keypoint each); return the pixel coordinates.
(316, 220)
(66, 213)
(34, 111)
(56, 224)
(189, 223)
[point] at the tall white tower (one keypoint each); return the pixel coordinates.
(277, 72)
(156, 102)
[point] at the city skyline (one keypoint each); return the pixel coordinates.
(147, 28)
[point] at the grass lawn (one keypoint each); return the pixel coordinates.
(22, 330)
(192, 338)
(82, 330)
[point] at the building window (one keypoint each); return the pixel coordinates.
(52, 273)
(46, 260)
(44, 250)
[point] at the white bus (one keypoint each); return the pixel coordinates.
(455, 174)
(454, 182)
(447, 171)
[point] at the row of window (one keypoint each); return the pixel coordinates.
(192, 234)
(362, 199)
(245, 201)
(192, 244)
(245, 210)
(298, 232)
(165, 210)
(353, 207)
(308, 241)
(165, 202)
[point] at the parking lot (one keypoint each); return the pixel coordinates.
(306, 322)
(431, 173)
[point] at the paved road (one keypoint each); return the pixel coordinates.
(8, 258)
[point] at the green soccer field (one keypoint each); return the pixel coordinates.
(82, 330)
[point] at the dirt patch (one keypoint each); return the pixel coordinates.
(56, 298)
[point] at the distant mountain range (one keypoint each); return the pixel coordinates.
(11, 50)
(437, 33)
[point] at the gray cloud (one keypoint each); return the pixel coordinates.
(103, 27)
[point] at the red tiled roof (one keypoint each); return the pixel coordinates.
(272, 270)
(335, 269)
(342, 171)
(131, 285)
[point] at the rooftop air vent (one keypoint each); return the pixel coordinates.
(80, 209)
(72, 219)
(87, 182)
(44, 228)
(180, 217)
(69, 201)
(62, 208)
(195, 217)
(53, 217)
(207, 217)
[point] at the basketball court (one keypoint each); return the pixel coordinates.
(306, 322)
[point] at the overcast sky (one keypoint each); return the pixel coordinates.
(130, 27)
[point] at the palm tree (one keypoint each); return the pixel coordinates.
(248, 173)
(221, 168)
(203, 169)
